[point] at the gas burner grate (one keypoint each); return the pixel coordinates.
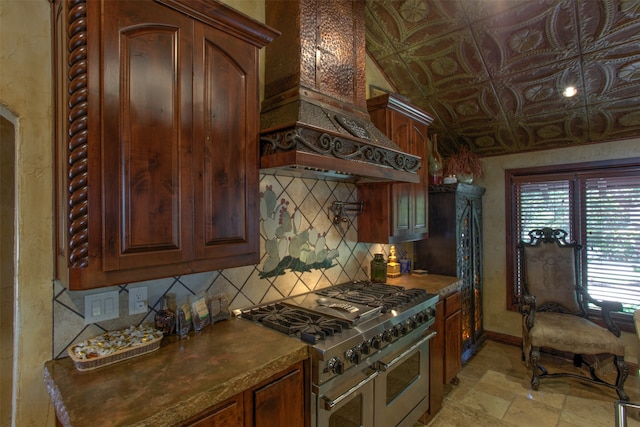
(310, 327)
(389, 297)
(270, 312)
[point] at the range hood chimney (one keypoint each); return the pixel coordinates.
(314, 119)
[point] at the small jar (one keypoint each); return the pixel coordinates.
(405, 266)
(378, 269)
(165, 319)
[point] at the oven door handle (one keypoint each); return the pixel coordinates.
(381, 366)
(330, 403)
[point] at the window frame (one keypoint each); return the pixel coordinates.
(546, 173)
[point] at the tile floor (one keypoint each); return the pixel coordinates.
(494, 391)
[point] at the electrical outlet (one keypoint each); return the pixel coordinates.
(138, 300)
(100, 307)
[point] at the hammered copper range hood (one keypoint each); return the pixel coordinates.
(314, 119)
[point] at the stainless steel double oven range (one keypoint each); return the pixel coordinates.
(369, 350)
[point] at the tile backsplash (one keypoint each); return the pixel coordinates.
(242, 286)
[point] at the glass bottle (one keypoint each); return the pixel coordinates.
(165, 318)
(183, 318)
(378, 269)
(435, 162)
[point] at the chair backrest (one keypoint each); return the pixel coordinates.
(549, 271)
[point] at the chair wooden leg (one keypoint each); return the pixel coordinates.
(623, 373)
(526, 350)
(534, 361)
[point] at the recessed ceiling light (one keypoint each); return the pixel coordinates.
(569, 91)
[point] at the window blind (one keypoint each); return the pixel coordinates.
(544, 204)
(612, 212)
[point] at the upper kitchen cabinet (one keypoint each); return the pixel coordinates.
(157, 123)
(397, 212)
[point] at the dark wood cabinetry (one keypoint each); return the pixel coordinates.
(225, 414)
(156, 153)
(444, 352)
(452, 338)
(454, 248)
(398, 212)
(278, 401)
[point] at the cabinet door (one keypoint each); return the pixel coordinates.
(226, 414)
(436, 365)
(400, 133)
(146, 137)
(453, 356)
(453, 337)
(280, 402)
(420, 146)
(225, 147)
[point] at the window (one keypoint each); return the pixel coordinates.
(598, 204)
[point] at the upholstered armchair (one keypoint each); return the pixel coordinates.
(554, 309)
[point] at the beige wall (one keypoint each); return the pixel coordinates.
(496, 317)
(25, 90)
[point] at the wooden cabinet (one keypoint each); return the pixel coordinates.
(225, 414)
(436, 365)
(454, 248)
(452, 338)
(397, 212)
(278, 401)
(445, 361)
(157, 123)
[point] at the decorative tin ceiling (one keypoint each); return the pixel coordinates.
(492, 72)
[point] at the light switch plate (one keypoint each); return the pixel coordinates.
(100, 307)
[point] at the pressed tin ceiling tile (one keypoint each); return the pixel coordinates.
(614, 120)
(607, 23)
(539, 90)
(613, 73)
(405, 22)
(567, 127)
(448, 61)
(468, 105)
(499, 66)
(530, 36)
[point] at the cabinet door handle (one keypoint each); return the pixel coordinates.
(330, 403)
(385, 366)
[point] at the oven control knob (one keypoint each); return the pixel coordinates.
(405, 328)
(336, 365)
(375, 342)
(397, 331)
(431, 313)
(421, 317)
(387, 336)
(353, 356)
(364, 348)
(413, 322)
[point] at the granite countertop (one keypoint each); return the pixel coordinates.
(185, 377)
(169, 385)
(432, 283)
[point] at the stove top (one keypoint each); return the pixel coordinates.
(349, 323)
(326, 312)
